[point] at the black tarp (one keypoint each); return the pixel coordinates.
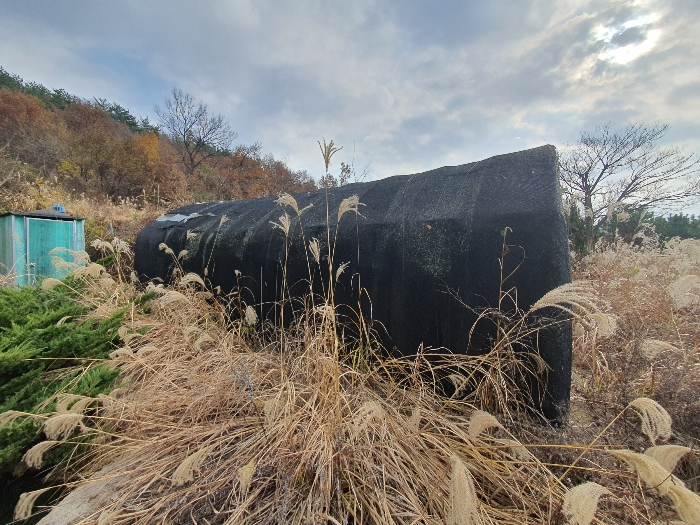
(424, 246)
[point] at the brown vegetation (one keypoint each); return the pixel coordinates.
(82, 156)
(222, 419)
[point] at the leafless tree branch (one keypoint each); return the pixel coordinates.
(198, 134)
(626, 166)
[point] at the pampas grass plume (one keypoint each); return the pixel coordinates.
(687, 504)
(26, 502)
(315, 250)
(464, 504)
(251, 318)
(191, 278)
(122, 331)
(245, 476)
(172, 296)
(34, 455)
(80, 257)
(352, 203)
(121, 246)
(204, 338)
(10, 415)
(605, 323)
(481, 421)
(92, 270)
(517, 449)
(581, 503)
(49, 283)
(79, 406)
(61, 426)
(682, 290)
(146, 350)
(120, 353)
(62, 265)
(79, 403)
(103, 246)
(285, 199)
(578, 294)
(651, 348)
(63, 319)
(164, 247)
(284, 223)
(63, 400)
(656, 423)
(127, 338)
(341, 269)
(649, 470)
(184, 473)
(667, 456)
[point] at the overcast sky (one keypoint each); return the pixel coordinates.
(409, 85)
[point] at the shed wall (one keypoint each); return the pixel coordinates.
(26, 244)
(6, 248)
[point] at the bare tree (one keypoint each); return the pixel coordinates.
(614, 168)
(198, 134)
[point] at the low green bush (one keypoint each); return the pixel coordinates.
(47, 347)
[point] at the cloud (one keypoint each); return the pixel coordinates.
(409, 86)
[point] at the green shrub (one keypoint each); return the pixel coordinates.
(41, 356)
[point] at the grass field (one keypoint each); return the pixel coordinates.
(219, 418)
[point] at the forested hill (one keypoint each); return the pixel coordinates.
(98, 149)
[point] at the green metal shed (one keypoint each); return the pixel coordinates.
(27, 240)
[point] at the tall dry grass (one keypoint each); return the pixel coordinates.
(212, 423)
(212, 426)
(224, 419)
(654, 296)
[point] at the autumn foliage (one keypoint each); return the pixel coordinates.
(100, 151)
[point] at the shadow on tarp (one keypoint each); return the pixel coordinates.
(424, 246)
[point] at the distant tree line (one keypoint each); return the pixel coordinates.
(52, 98)
(628, 225)
(98, 148)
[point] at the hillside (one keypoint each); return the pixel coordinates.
(105, 164)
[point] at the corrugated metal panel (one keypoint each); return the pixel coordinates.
(19, 243)
(43, 235)
(26, 244)
(6, 249)
(80, 235)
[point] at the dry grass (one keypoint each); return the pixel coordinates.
(655, 351)
(237, 432)
(226, 420)
(652, 354)
(213, 426)
(124, 218)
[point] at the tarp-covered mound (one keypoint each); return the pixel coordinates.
(426, 254)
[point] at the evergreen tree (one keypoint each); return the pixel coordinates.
(677, 225)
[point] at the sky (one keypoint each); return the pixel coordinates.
(403, 86)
